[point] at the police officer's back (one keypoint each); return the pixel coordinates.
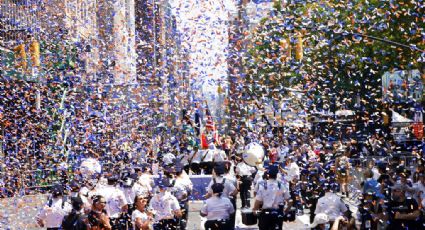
(270, 200)
(217, 210)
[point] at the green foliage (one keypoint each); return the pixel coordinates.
(334, 56)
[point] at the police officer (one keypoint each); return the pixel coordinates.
(130, 189)
(57, 207)
(229, 190)
(207, 162)
(244, 173)
(182, 188)
(165, 207)
(217, 209)
(270, 201)
(116, 203)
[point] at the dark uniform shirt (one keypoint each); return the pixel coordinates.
(407, 206)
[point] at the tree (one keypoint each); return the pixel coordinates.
(342, 58)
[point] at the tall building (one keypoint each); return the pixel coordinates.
(100, 32)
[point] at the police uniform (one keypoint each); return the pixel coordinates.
(207, 163)
(163, 204)
(332, 205)
(245, 172)
(182, 188)
(115, 203)
(195, 158)
(55, 210)
(272, 196)
(229, 188)
(217, 211)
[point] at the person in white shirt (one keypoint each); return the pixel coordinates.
(207, 162)
(292, 170)
(330, 204)
(217, 209)
(141, 218)
(116, 203)
(57, 207)
(194, 159)
(272, 197)
(244, 172)
(165, 207)
(230, 190)
(145, 179)
(182, 188)
(219, 156)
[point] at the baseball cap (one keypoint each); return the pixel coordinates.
(165, 183)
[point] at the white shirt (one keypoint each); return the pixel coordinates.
(207, 155)
(115, 200)
(137, 214)
(271, 195)
(54, 214)
(283, 152)
(242, 169)
(293, 172)
(145, 180)
(330, 204)
(182, 188)
(229, 188)
(86, 195)
(163, 204)
(231, 178)
(196, 156)
(219, 155)
(131, 192)
(217, 208)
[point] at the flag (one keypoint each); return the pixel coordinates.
(209, 134)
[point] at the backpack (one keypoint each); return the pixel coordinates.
(265, 184)
(215, 182)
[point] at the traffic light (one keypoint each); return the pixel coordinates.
(299, 47)
(20, 56)
(35, 53)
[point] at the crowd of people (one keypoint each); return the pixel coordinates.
(309, 177)
(302, 173)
